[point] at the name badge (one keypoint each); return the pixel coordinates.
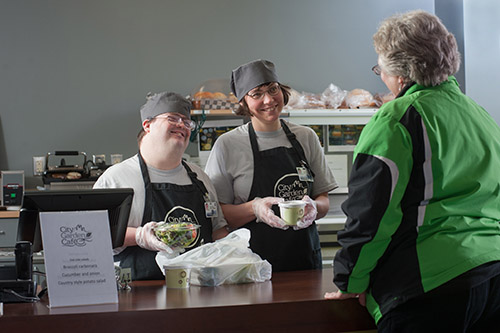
(211, 209)
(304, 174)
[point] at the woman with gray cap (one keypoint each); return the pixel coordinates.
(165, 187)
(266, 161)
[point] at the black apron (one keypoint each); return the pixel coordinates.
(182, 203)
(275, 175)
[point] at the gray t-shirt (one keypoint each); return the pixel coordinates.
(230, 164)
(128, 174)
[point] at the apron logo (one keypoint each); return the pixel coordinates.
(179, 214)
(76, 236)
(289, 187)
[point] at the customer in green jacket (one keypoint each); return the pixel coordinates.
(421, 245)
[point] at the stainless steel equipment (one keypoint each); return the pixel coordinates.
(68, 170)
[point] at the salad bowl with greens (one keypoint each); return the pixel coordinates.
(181, 234)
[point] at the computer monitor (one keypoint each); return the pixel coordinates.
(117, 201)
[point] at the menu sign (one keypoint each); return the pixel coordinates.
(78, 258)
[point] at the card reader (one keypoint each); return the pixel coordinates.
(12, 188)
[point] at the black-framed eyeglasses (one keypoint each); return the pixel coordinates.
(174, 120)
(273, 90)
(376, 69)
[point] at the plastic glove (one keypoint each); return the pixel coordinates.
(310, 213)
(146, 238)
(264, 213)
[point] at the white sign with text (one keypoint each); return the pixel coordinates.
(78, 258)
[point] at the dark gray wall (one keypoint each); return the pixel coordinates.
(73, 74)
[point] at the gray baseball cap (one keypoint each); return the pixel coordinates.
(251, 75)
(163, 103)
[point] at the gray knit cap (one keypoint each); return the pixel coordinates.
(251, 75)
(163, 103)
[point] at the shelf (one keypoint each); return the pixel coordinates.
(221, 112)
(303, 113)
(330, 116)
(331, 112)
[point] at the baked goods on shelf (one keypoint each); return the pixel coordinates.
(359, 98)
(203, 95)
(334, 97)
(214, 95)
(381, 98)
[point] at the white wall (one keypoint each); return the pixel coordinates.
(482, 53)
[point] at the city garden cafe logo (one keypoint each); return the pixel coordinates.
(179, 214)
(75, 236)
(289, 187)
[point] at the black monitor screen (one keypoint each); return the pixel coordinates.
(117, 201)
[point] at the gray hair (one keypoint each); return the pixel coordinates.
(418, 47)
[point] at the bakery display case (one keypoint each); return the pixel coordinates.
(343, 136)
(340, 128)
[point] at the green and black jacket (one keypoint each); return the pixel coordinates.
(424, 197)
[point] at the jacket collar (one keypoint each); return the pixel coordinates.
(413, 87)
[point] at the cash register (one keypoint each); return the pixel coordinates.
(16, 282)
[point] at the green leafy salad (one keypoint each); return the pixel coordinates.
(181, 234)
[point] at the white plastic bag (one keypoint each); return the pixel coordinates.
(226, 261)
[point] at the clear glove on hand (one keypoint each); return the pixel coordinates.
(310, 213)
(145, 237)
(264, 213)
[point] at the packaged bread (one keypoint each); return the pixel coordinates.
(304, 100)
(295, 100)
(359, 98)
(333, 96)
(381, 98)
(313, 101)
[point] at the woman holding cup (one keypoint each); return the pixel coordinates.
(267, 161)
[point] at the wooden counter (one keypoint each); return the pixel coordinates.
(290, 302)
(9, 214)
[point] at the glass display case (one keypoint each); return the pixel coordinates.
(208, 136)
(340, 128)
(320, 132)
(343, 137)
